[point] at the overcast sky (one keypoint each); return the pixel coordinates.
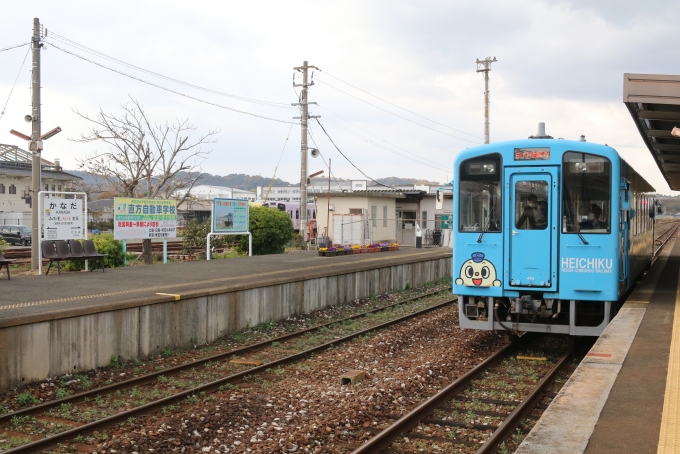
(558, 62)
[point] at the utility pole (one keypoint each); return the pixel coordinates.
(35, 144)
(484, 66)
(36, 170)
(304, 117)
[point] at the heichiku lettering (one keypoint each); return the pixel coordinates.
(587, 265)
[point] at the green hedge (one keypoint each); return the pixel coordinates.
(271, 229)
(105, 244)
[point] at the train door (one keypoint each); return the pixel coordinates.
(531, 255)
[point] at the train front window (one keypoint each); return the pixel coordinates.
(586, 196)
(479, 195)
(531, 205)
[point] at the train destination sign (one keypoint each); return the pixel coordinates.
(230, 216)
(531, 154)
(144, 218)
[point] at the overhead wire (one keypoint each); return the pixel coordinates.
(69, 42)
(348, 160)
(169, 89)
(397, 115)
(277, 164)
(397, 106)
(14, 47)
(436, 167)
(418, 159)
(14, 84)
(324, 159)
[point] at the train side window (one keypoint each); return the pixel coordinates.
(586, 193)
(479, 196)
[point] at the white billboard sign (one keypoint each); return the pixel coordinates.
(63, 219)
(144, 218)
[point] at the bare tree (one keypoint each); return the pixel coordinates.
(143, 158)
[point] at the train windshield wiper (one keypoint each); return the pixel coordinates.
(582, 239)
(481, 235)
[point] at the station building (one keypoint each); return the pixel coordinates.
(16, 196)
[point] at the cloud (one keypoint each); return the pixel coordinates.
(559, 62)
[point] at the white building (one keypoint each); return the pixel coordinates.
(208, 192)
(16, 197)
(292, 193)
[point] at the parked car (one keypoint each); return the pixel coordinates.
(16, 234)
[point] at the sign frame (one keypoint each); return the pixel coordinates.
(226, 232)
(41, 206)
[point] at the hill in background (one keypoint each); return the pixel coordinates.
(251, 182)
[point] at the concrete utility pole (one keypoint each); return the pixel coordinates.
(484, 66)
(34, 147)
(304, 117)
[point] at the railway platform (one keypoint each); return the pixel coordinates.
(624, 397)
(78, 321)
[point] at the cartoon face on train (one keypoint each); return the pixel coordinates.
(478, 272)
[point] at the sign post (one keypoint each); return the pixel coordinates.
(230, 217)
(145, 219)
(60, 218)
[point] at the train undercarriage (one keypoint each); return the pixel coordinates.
(532, 312)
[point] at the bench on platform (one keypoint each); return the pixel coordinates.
(50, 253)
(6, 262)
(72, 250)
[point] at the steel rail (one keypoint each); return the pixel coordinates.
(385, 438)
(144, 379)
(506, 428)
(104, 423)
(670, 231)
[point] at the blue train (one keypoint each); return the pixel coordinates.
(551, 235)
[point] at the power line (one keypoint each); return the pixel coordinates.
(398, 107)
(324, 159)
(14, 84)
(14, 47)
(396, 115)
(348, 160)
(169, 89)
(277, 164)
(69, 42)
(436, 167)
(417, 158)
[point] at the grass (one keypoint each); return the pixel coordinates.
(12, 442)
(26, 398)
(60, 393)
(33, 425)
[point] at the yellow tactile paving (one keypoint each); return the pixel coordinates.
(669, 437)
(157, 288)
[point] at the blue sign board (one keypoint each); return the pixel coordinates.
(230, 216)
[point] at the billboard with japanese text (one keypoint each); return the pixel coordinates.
(63, 219)
(230, 216)
(144, 218)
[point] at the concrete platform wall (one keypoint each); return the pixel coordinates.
(36, 351)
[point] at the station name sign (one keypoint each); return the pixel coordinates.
(532, 154)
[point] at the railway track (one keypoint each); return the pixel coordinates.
(666, 234)
(484, 404)
(74, 410)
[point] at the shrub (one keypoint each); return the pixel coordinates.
(195, 234)
(271, 230)
(105, 244)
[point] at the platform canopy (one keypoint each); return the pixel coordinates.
(653, 101)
